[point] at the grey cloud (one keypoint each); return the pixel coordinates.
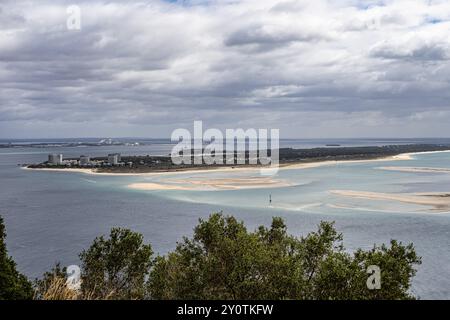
(267, 38)
(139, 66)
(423, 52)
(10, 20)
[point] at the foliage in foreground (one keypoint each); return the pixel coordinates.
(116, 267)
(13, 285)
(223, 260)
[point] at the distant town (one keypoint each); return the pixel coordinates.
(113, 159)
(116, 163)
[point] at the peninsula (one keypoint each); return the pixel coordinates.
(115, 163)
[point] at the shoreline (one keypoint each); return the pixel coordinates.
(437, 201)
(282, 166)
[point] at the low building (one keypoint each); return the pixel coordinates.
(55, 159)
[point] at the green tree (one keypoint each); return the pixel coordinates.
(342, 276)
(13, 285)
(225, 261)
(116, 267)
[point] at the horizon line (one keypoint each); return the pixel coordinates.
(165, 138)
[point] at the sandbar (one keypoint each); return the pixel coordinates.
(416, 169)
(438, 200)
(213, 184)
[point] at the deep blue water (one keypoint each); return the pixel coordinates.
(52, 216)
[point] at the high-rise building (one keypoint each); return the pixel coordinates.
(114, 159)
(55, 159)
(84, 160)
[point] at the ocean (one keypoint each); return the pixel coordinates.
(51, 216)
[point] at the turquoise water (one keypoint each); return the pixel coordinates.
(311, 188)
(52, 216)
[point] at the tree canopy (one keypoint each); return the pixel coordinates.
(116, 267)
(13, 284)
(224, 260)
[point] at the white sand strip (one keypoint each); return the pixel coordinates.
(439, 200)
(213, 184)
(416, 169)
(156, 186)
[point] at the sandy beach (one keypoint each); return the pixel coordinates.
(403, 156)
(439, 201)
(214, 184)
(156, 186)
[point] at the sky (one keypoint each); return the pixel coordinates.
(312, 69)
